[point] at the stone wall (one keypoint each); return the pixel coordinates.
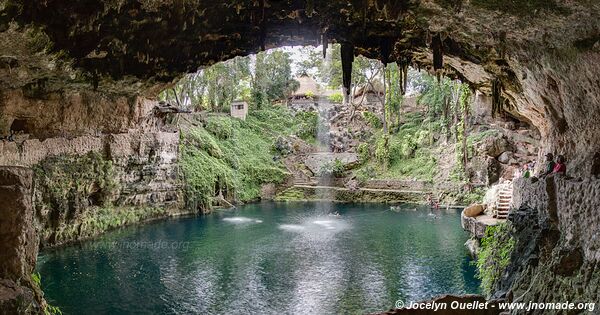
(143, 172)
(18, 243)
(557, 250)
(74, 113)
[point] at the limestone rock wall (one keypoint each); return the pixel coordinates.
(72, 113)
(141, 168)
(557, 251)
(18, 243)
(560, 97)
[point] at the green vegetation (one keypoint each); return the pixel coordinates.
(404, 154)
(291, 194)
(493, 258)
(96, 220)
(308, 125)
(336, 98)
(259, 82)
(78, 192)
(373, 120)
(335, 168)
(234, 156)
(36, 278)
(69, 183)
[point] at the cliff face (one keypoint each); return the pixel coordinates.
(557, 250)
(18, 243)
(77, 178)
(537, 60)
(69, 73)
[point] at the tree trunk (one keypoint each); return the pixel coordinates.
(176, 98)
(385, 127)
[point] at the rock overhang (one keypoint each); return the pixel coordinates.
(520, 53)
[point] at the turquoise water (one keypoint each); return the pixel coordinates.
(263, 259)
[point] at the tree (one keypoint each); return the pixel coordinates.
(214, 87)
(272, 79)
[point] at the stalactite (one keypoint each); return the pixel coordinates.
(403, 74)
(347, 55)
(263, 31)
(497, 99)
(438, 52)
(385, 49)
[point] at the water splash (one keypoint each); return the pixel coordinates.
(241, 220)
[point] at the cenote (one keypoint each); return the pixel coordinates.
(265, 258)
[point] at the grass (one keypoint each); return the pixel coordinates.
(291, 194)
(422, 166)
(234, 155)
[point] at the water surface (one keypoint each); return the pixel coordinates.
(263, 259)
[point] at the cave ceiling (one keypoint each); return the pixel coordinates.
(135, 46)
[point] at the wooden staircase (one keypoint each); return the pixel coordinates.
(503, 203)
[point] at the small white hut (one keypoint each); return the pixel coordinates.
(239, 109)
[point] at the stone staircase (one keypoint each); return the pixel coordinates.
(503, 203)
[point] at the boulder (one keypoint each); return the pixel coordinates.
(316, 161)
(474, 210)
(494, 146)
(505, 157)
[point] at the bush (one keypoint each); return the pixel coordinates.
(366, 173)
(222, 127)
(335, 168)
(382, 152)
(373, 120)
(364, 152)
(237, 156)
(336, 98)
(493, 258)
(307, 125)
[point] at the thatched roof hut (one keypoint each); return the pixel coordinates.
(308, 87)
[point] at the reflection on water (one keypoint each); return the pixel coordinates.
(264, 259)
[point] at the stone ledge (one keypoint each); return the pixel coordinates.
(477, 225)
